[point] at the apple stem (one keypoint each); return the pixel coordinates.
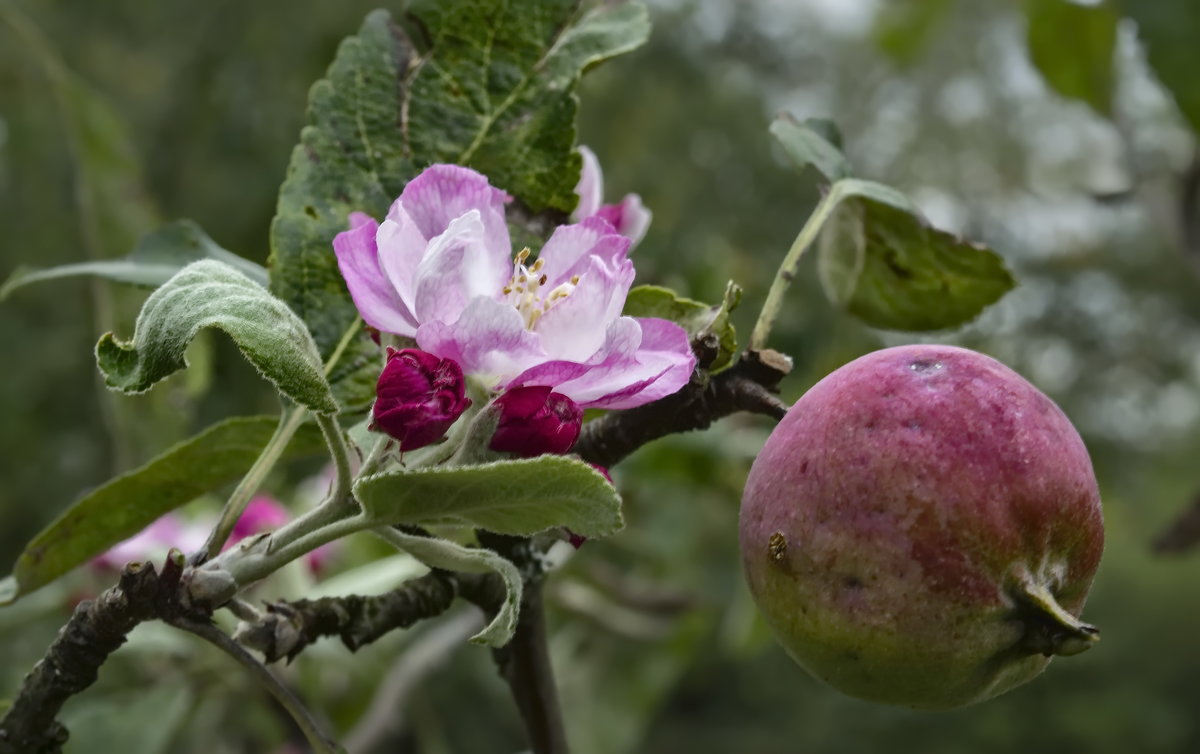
(1049, 629)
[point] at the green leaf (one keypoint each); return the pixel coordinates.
(1169, 30)
(903, 28)
(811, 142)
(497, 92)
(129, 503)
(883, 263)
(695, 317)
(157, 257)
(213, 294)
(508, 497)
(442, 553)
(1073, 45)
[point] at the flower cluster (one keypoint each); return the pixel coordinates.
(440, 270)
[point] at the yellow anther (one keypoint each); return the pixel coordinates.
(522, 255)
(538, 265)
(574, 280)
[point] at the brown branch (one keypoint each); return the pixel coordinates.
(287, 627)
(72, 661)
(748, 385)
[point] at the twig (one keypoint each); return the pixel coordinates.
(286, 628)
(320, 743)
(72, 662)
(385, 716)
(746, 386)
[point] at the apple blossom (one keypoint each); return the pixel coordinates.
(627, 216)
(418, 397)
(438, 270)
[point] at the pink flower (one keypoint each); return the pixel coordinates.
(418, 397)
(437, 269)
(153, 542)
(628, 216)
(534, 420)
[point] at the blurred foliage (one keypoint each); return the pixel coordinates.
(116, 115)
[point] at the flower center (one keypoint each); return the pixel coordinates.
(526, 289)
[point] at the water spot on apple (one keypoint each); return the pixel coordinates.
(924, 366)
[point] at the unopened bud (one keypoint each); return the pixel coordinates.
(418, 397)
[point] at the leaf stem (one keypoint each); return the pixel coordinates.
(789, 267)
(336, 439)
(289, 422)
(320, 743)
(260, 558)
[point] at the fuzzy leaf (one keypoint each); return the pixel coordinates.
(129, 503)
(508, 497)
(157, 257)
(442, 553)
(695, 317)
(1073, 45)
(883, 263)
(213, 294)
(811, 142)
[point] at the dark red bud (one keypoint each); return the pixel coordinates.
(534, 420)
(418, 397)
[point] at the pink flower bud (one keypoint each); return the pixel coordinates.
(534, 420)
(418, 397)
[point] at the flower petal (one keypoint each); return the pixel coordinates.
(401, 249)
(442, 193)
(590, 187)
(457, 268)
(489, 341)
(630, 217)
(569, 248)
(574, 327)
(373, 295)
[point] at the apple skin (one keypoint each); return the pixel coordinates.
(922, 528)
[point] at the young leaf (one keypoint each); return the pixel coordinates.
(497, 90)
(695, 317)
(213, 294)
(812, 142)
(880, 261)
(508, 497)
(442, 553)
(157, 257)
(1073, 45)
(129, 503)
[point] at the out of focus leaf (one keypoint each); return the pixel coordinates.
(884, 264)
(903, 28)
(1072, 45)
(812, 142)
(129, 503)
(213, 294)
(1169, 30)
(157, 257)
(522, 496)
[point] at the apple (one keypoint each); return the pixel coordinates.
(922, 528)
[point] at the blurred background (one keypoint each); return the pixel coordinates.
(1003, 121)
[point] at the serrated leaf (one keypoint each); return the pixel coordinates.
(450, 556)
(1073, 45)
(517, 497)
(494, 91)
(213, 294)
(1169, 29)
(157, 257)
(497, 91)
(811, 142)
(694, 316)
(883, 263)
(129, 503)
